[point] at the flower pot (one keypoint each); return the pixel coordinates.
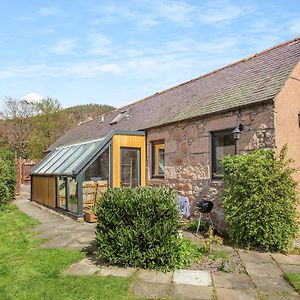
(90, 217)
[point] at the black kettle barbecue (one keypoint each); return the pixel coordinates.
(204, 207)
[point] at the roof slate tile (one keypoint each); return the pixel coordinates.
(249, 81)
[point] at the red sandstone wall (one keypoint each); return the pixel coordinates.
(188, 151)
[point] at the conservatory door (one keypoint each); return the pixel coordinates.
(130, 167)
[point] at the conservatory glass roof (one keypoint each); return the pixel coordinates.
(69, 160)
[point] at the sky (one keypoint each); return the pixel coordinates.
(117, 52)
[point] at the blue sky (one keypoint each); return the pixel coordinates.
(116, 52)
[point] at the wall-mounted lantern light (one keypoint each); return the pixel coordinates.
(236, 133)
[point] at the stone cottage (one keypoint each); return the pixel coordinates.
(178, 136)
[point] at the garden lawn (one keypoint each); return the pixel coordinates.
(294, 280)
(30, 272)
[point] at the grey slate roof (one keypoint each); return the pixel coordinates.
(252, 80)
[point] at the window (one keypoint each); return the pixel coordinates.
(62, 192)
(119, 117)
(130, 167)
(99, 169)
(158, 159)
(72, 197)
(222, 145)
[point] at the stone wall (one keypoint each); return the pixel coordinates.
(188, 151)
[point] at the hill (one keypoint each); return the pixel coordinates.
(86, 112)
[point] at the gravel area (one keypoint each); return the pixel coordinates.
(222, 257)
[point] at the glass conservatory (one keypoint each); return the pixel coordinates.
(72, 177)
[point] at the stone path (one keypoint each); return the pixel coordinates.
(60, 231)
(263, 279)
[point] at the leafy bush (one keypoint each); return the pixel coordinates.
(139, 227)
(10, 177)
(260, 201)
(4, 190)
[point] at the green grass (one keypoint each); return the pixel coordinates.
(294, 280)
(30, 272)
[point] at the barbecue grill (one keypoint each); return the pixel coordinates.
(204, 207)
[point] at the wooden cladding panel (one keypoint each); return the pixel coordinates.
(130, 141)
(44, 190)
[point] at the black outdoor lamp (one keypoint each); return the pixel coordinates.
(236, 136)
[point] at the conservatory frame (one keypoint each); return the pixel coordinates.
(45, 178)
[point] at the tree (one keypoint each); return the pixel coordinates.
(15, 126)
(49, 123)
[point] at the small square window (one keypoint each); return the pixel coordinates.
(158, 159)
(222, 145)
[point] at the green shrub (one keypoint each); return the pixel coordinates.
(4, 190)
(9, 158)
(260, 201)
(138, 227)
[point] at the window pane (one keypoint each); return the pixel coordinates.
(161, 161)
(158, 159)
(99, 169)
(62, 193)
(73, 198)
(129, 167)
(223, 145)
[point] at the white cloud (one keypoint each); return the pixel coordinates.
(221, 14)
(49, 11)
(65, 46)
(176, 11)
(26, 71)
(33, 97)
(98, 44)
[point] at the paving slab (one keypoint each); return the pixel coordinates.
(232, 281)
(191, 277)
(79, 246)
(86, 238)
(291, 259)
(115, 271)
(83, 267)
(280, 296)
(183, 291)
(60, 241)
(272, 284)
(153, 276)
(150, 290)
(262, 269)
(253, 256)
(290, 268)
(230, 294)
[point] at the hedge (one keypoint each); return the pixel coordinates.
(260, 200)
(138, 227)
(7, 176)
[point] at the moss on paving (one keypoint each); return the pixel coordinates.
(30, 272)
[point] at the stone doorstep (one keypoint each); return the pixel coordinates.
(230, 294)
(232, 281)
(183, 291)
(154, 277)
(191, 277)
(115, 271)
(262, 269)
